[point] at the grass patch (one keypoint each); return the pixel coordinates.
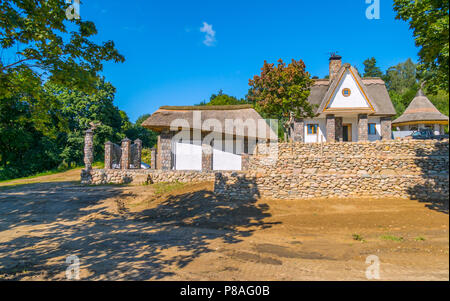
(391, 237)
(45, 173)
(163, 188)
(358, 237)
(419, 238)
(98, 164)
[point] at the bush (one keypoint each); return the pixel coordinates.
(146, 155)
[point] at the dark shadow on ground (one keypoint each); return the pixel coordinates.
(70, 219)
(435, 171)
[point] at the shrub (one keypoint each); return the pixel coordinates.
(146, 155)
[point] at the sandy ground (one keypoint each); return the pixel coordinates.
(133, 233)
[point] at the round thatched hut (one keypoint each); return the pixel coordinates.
(421, 113)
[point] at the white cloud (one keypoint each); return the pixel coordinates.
(210, 34)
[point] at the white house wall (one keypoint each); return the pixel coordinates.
(345, 120)
(377, 122)
(188, 156)
(226, 161)
(321, 135)
(356, 98)
(227, 155)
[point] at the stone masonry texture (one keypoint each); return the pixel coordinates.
(339, 129)
(108, 155)
(153, 158)
(386, 128)
(88, 149)
(164, 160)
(331, 128)
(138, 156)
(298, 130)
(363, 127)
(384, 168)
(126, 154)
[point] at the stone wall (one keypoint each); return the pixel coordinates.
(387, 168)
(395, 168)
(142, 176)
(301, 186)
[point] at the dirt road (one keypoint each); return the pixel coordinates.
(148, 233)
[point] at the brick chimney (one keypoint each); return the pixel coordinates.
(335, 65)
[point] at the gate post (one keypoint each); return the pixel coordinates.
(108, 154)
(126, 154)
(88, 149)
(137, 159)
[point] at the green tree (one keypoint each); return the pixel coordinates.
(282, 90)
(403, 99)
(40, 125)
(24, 149)
(401, 77)
(371, 69)
(39, 41)
(221, 99)
(429, 20)
(136, 131)
(79, 109)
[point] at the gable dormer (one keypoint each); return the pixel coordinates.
(346, 93)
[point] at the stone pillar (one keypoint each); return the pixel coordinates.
(207, 156)
(298, 130)
(158, 153)
(386, 128)
(88, 149)
(138, 158)
(331, 128)
(153, 158)
(108, 155)
(165, 151)
(339, 134)
(363, 127)
(126, 154)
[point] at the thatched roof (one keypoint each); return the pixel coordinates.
(220, 116)
(420, 110)
(373, 87)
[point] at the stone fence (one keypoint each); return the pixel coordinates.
(143, 176)
(126, 156)
(391, 168)
(387, 168)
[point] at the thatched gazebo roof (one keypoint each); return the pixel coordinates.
(420, 111)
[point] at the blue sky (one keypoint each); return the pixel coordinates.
(173, 58)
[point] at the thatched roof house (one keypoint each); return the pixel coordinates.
(185, 136)
(373, 87)
(421, 112)
(347, 108)
(226, 118)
